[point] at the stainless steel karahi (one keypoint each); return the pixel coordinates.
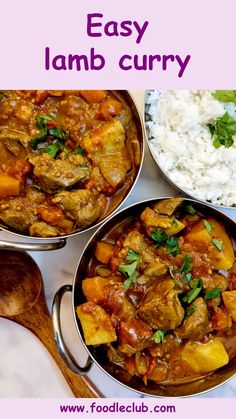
(165, 175)
(97, 356)
(41, 244)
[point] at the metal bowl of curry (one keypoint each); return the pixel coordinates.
(68, 159)
(154, 298)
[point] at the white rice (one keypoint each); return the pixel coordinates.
(183, 147)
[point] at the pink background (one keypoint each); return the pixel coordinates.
(185, 408)
(205, 29)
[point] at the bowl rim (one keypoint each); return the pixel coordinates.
(163, 172)
(117, 214)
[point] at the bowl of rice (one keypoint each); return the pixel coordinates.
(191, 135)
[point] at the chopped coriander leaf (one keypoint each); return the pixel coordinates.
(222, 131)
(41, 124)
(57, 133)
(190, 311)
(190, 209)
(196, 282)
(212, 294)
(187, 278)
(191, 295)
(158, 237)
(217, 243)
(1, 95)
(132, 255)
(51, 149)
(36, 141)
(211, 129)
(225, 95)
(187, 264)
(128, 269)
(175, 222)
(42, 120)
(159, 336)
(131, 280)
(208, 226)
(172, 246)
(79, 150)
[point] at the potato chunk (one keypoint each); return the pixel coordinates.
(205, 357)
(104, 252)
(201, 240)
(229, 298)
(9, 186)
(175, 228)
(96, 289)
(96, 324)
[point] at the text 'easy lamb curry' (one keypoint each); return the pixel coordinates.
(161, 295)
(64, 155)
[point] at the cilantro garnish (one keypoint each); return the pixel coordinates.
(212, 294)
(217, 243)
(208, 226)
(225, 95)
(159, 237)
(129, 270)
(159, 336)
(190, 311)
(187, 264)
(222, 130)
(79, 150)
(190, 209)
(172, 246)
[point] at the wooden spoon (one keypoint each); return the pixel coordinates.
(22, 300)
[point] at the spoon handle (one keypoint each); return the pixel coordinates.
(38, 321)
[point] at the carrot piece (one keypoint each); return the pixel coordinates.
(9, 186)
(93, 96)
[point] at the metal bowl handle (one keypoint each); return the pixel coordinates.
(61, 346)
(36, 247)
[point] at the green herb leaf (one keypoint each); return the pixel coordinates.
(187, 278)
(132, 255)
(128, 269)
(42, 120)
(172, 246)
(158, 237)
(212, 294)
(192, 295)
(196, 282)
(223, 131)
(159, 336)
(217, 243)
(51, 149)
(190, 311)
(131, 280)
(208, 226)
(225, 95)
(41, 124)
(1, 95)
(187, 264)
(190, 209)
(79, 150)
(57, 133)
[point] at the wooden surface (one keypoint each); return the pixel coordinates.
(23, 301)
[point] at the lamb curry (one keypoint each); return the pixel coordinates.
(160, 295)
(66, 158)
